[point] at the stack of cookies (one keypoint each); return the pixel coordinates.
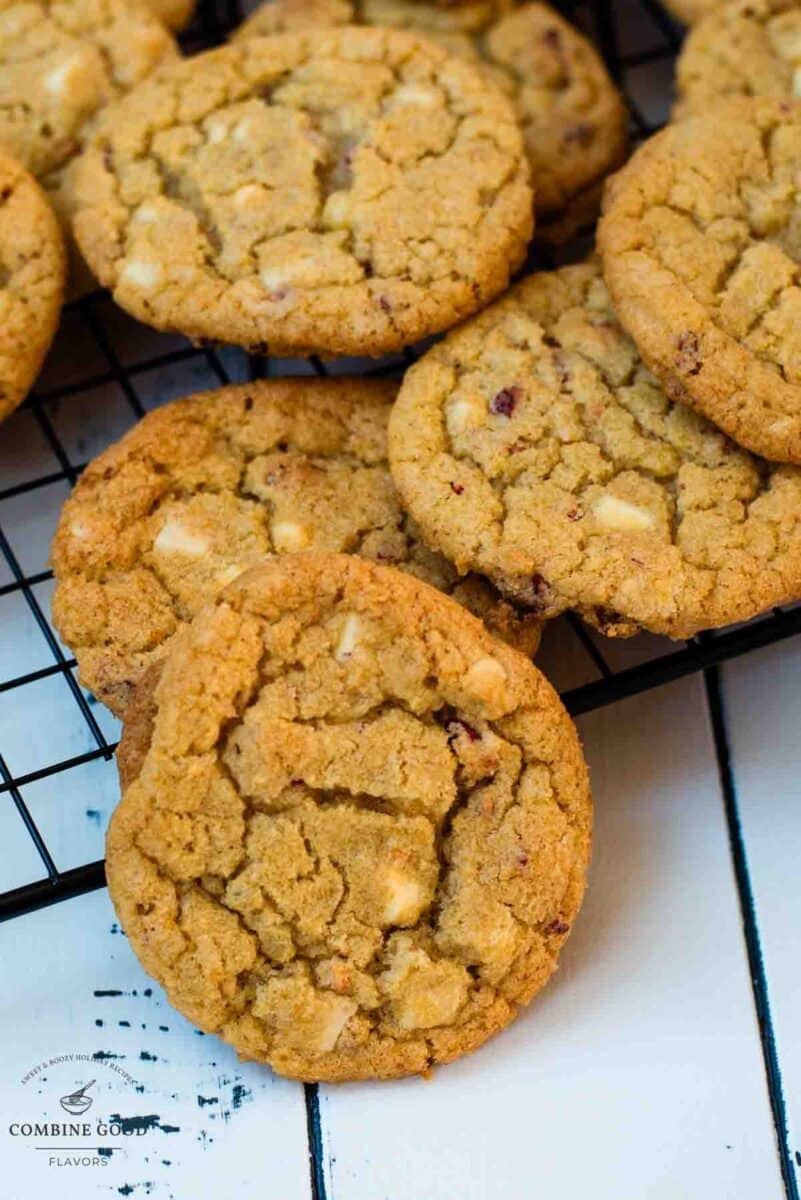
(355, 822)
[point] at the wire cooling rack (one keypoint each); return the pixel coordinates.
(105, 372)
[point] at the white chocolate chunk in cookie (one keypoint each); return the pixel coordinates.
(144, 275)
(337, 210)
(176, 538)
(462, 415)
(414, 93)
(486, 679)
(407, 898)
(349, 638)
(423, 993)
(67, 77)
(289, 537)
(305, 1016)
(145, 214)
(614, 513)
(332, 1021)
(273, 279)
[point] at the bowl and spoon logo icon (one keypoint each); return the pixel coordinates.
(77, 1102)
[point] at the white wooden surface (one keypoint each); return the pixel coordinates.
(637, 1075)
(219, 1126)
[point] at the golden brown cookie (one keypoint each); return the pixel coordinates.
(572, 117)
(359, 834)
(533, 445)
(341, 191)
(60, 63)
(31, 282)
(205, 487)
(700, 241)
(742, 48)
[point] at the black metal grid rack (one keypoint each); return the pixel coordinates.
(639, 42)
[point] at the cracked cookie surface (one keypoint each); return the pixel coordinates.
(534, 446)
(206, 487)
(31, 282)
(357, 832)
(572, 117)
(60, 63)
(744, 48)
(342, 191)
(700, 242)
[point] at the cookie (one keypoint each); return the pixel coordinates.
(700, 252)
(744, 48)
(359, 835)
(573, 119)
(175, 14)
(343, 191)
(534, 446)
(205, 487)
(60, 64)
(31, 282)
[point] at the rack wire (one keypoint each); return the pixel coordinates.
(111, 370)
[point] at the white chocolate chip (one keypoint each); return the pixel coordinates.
(406, 899)
(349, 639)
(145, 214)
(242, 131)
(796, 84)
(337, 210)
(273, 279)
(216, 131)
(175, 538)
(142, 274)
(462, 415)
(248, 195)
(80, 531)
(486, 680)
(413, 93)
(614, 513)
(288, 536)
(421, 992)
(338, 1012)
(485, 673)
(59, 80)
